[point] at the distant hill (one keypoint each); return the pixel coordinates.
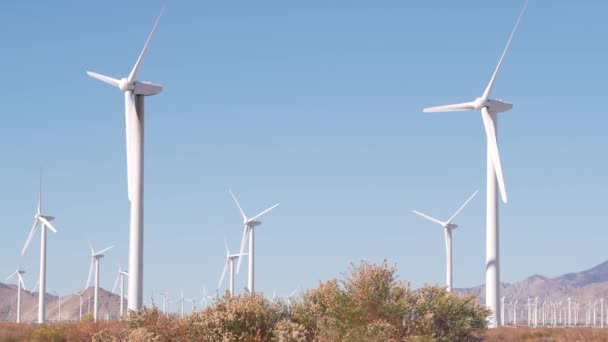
(109, 305)
(583, 286)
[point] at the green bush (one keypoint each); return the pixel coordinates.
(49, 333)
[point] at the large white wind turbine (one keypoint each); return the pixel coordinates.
(134, 93)
(42, 221)
(95, 256)
(248, 231)
(20, 285)
(229, 264)
(121, 275)
(448, 226)
(489, 109)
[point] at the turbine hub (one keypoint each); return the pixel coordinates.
(479, 103)
(123, 84)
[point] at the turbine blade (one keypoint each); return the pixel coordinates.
(30, 236)
(264, 212)
(116, 282)
(104, 250)
(47, 223)
(130, 117)
(488, 91)
(21, 281)
(226, 244)
(493, 149)
(40, 194)
(35, 286)
(432, 219)
(12, 275)
(223, 273)
(92, 249)
(243, 242)
(90, 273)
(238, 205)
(104, 78)
(462, 207)
(135, 69)
(458, 107)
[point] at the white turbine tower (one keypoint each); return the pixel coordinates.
(229, 264)
(20, 285)
(42, 221)
(489, 109)
(80, 310)
(448, 226)
(248, 231)
(95, 256)
(134, 93)
(121, 276)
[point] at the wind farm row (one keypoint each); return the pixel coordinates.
(135, 91)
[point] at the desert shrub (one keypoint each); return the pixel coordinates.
(141, 334)
(103, 335)
(371, 304)
(150, 322)
(237, 318)
(49, 333)
(288, 331)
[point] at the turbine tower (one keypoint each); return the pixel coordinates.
(20, 285)
(489, 109)
(134, 93)
(42, 221)
(229, 264)
(121, 275)
(250, 224)
(95, 256)
(448, 226)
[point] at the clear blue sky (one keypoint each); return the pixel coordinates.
(316, 105)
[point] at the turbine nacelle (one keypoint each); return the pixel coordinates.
(498, 106)
(450, 226)
(253, 223)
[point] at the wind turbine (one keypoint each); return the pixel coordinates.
(121, 275)
(164, 295)
(489, 109)
(229, 264)
(80, 311)
(250, 224)
(134, 93)
(42, 221)
(20, 284)
(95, 256)
(448, 226)
(205, 298)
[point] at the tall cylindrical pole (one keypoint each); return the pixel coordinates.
(448, 254)
(136, 224)
(19, 299)
(96, 294)
(80, 313)
(569, 312)
(492, 238)
(232, 276)
(122, 294)
(42, 289)
(250, 281)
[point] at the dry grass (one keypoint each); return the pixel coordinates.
(77, 331)
(547, 334)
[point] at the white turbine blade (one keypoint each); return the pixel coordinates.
(47, 223)
(12, 275)
(462, 207)
(104, 78)
(432, 219)
(264, 212)
(242, 250)
(226, 244)
(29, 237)
(493, 147)
(223, 273)
(459, 107)
(92, 249)
(104, 250)
(90, 273)
(130, 117)
(135, 69)
(35, 286)
(116, 282)
(238, 205)
(21, 281)
(488, 91)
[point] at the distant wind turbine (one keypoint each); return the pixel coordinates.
(44, 222)
(121, 275)
(20, 285)
(95, 256)
(229, 265)
(489, 109)
(134, 93)
(248, 231)
(448, 226)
